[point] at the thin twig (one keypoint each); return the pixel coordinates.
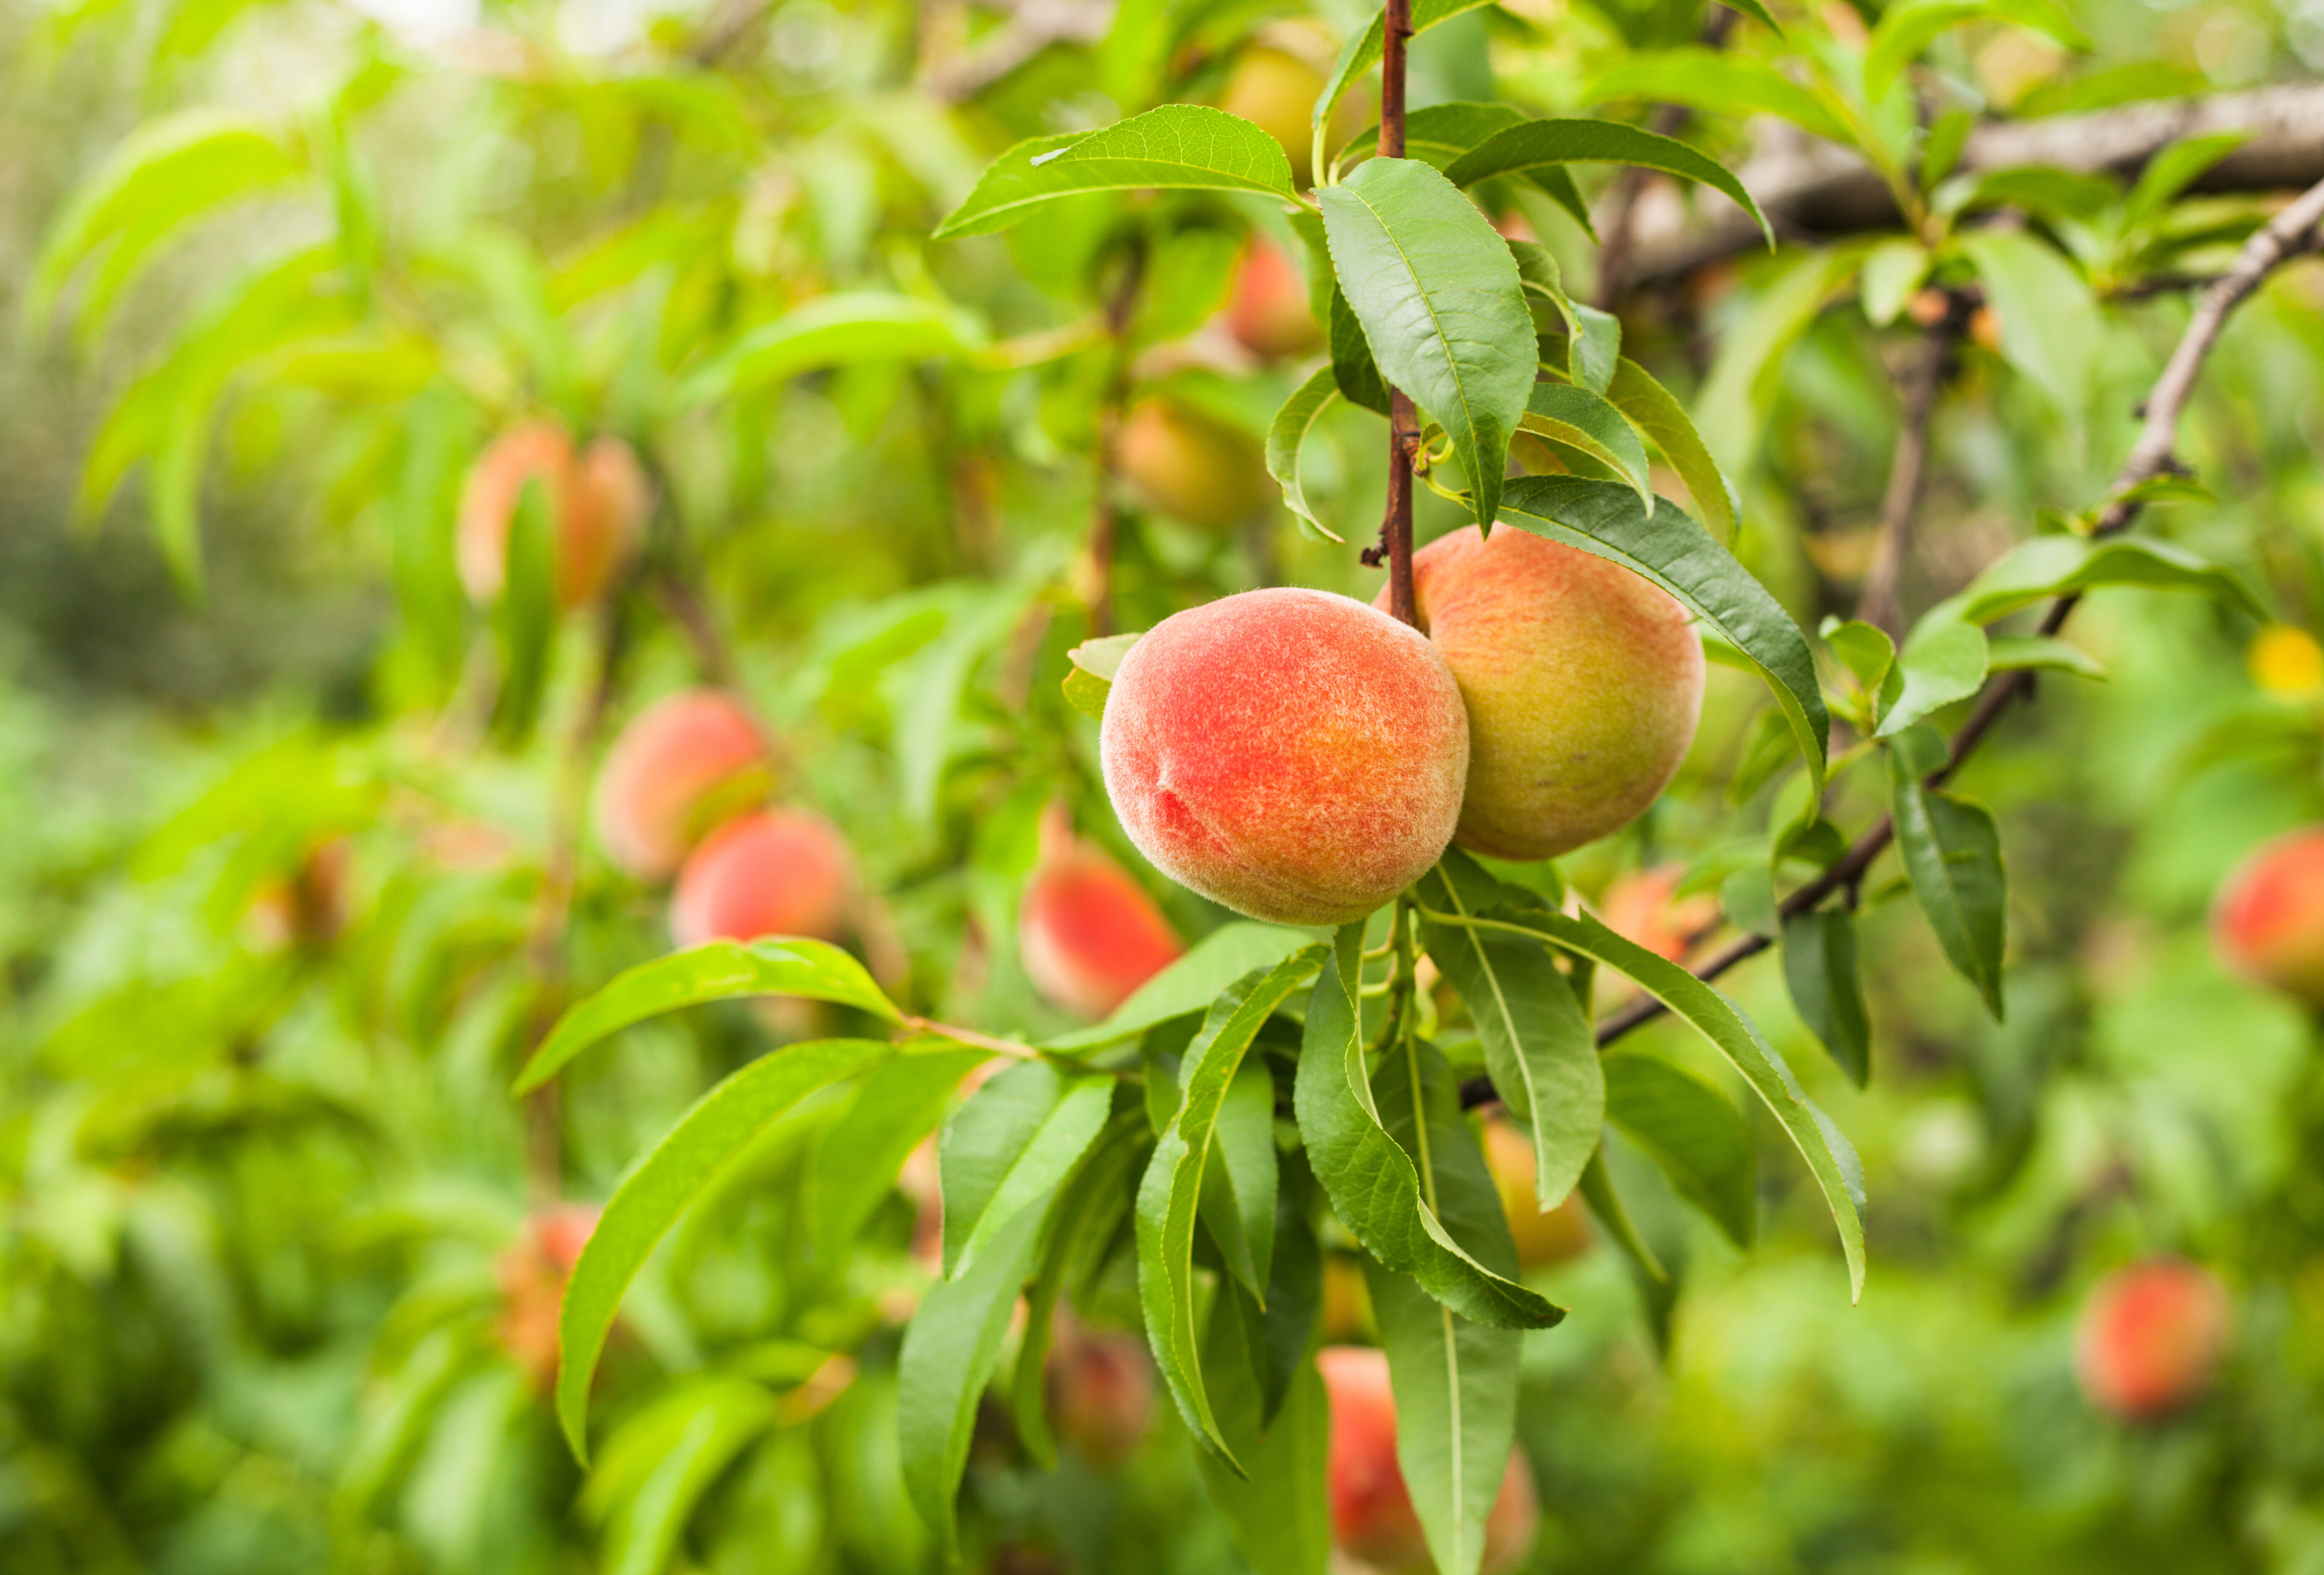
(1403, 420)
(1922, 378)
(2289, 235)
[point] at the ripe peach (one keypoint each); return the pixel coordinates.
(598, 499)
(2149, 1338)
(1089, 932)
(1372, 1518)
(1543, 1239)
(1293, 754)
(1583, 684)
(1100, 1390)
(1269, 314)
(774, 872)
(533, 1274)
(675, 761)
(1190, 466)
(1640, 906)
(2268, 923)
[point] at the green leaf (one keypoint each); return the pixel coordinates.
(1370, 1180)
(1537, 142)
(1441, 133)
(1952, 855)
(1009, 1145)
(1192, 982)
(1838, 1172)
(1584, 420)
(1593, 355)
(1094, 663)
(1911, 26)
(844, 330)
(1606, 1205)
(1892, 272)
(2051, 326)
(2061, 566)
(675, 1449)
(1944, 661)
(1655, 410)
(1436, 292)
(714, 971)
(1287, 435)
(524, 618)
(1677, 554)
(1455, 1381)
(2125, 84)
(1693, 1132)
(1178, 146)
(1864, 649)
(1171, 1194)
(898, 1103)
(1279, 1330)
(1820, 967)
(1733, 406)
(1353, 372)
(1538, 1045)
(950, 1348)
(2009, 652)
(1279, 1515)
(1087, 1212)
(1361, 52)
(1721, 83)
(1239, 1189)
(721, 1124)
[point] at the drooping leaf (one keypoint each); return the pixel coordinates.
(1239, 1180)
(714, 971)
(721, 1124)
(1538, 1045)
(651, 1475)
(1670, 549)
(1170, 1196)
(1192, 982)
(1287, 435)
(1088, 1207)
(1820, 967)
(1370, 1181)
(1613, 1217)
(1353, 372)
(1693, 1132)
(1655, 410)
(1177, 146)
(1002, 1177)
(1569, 414)
(898, 1104)
(1537, 142)
(2060, 565)
(1952, 853)
(1278, 1510)
(1280, 1332)
(1437, 294)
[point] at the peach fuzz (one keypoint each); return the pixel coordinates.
(774, 872)
(1188, 465)
(2268, 925)
(1089, 934)
(1269, 314)
(667, 767)
(1583, 684)
(1543, 1237)
(1291, 754)
(598, 500)
(1372, 1518)
(2150, 1339)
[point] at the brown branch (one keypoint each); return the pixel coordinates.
(1403, 421)
(1810, 186)
(2289, 234)
(1881, 602)
(1034, 25)
(1617, 229)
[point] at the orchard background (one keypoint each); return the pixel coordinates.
(399, 401)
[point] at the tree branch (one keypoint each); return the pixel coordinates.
(2289, 234)
(1403, 421)
(1621, 204)
(1881, 603)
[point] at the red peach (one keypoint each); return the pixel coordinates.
(1269, 314)
(1372, 1518)
(2268, 925)
(1293, 754)
(2150, 1339)
(1640, 906)
(669, 765)
(1090, 935)
(1190, 466)
(1543, 1237)
(597, 500)
(1100, 1390)
(1583, 684)
(774, 872)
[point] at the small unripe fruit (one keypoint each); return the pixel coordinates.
(1642, 905)
(1293, 754)
(1583, 684)
(776, 872)
(597, 504)
(2269, 922)
(2150, 1339)
(1269, 314)
(1190, 466)
(1543, 1237)
(1372, 1518)
(683, 757)
(1101, 1393)
(1089, 934)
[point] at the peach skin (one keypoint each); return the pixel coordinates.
(775, 873)
(2268, 925)
(1089, 934)
(669, 766)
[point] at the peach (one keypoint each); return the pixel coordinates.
(1642, 905)
(598, 500)
(1372, 1518)
(1583, 684)
(2268, 925)
(1543, 1237)
(1293, 754)
(1100, 1389)
(532, 1274)
(1090, 935)
(1190, 466)
(1274, 89)
(773, 872)
(680, 760)
(2150, 1339)
(1269, 314)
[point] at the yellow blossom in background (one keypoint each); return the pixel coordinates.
(2285, 660)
